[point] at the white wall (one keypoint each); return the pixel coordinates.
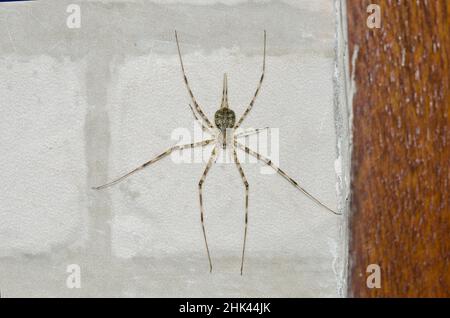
(81, 106)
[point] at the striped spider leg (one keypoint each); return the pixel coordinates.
(211, 160)
(282, 173)
(155, 159)
(194, 101)
(246, 185)
(238, 145)
(258, 88)
(202, 124)
(250, 131)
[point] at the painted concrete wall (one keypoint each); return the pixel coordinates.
(81, 106)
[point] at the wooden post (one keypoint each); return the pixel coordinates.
(400, 207)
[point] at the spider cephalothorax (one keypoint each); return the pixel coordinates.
(224, 118)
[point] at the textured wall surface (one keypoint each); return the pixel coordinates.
(80, 106)
(401, 154)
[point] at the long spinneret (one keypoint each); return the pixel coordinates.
(224, 134)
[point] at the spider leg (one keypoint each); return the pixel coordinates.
(244, 179)
(250, 106)
(283, 174)
(160, 156)
(250, 131)
(204, 127)
(200, 191)
(196, 105)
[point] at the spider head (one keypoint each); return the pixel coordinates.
(224, 118)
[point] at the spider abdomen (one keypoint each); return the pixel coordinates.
(224, 118)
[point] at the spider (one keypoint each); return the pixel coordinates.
(224, 135)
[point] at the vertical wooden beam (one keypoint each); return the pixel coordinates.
(401, 149)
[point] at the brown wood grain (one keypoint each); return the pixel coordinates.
(400, 207)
